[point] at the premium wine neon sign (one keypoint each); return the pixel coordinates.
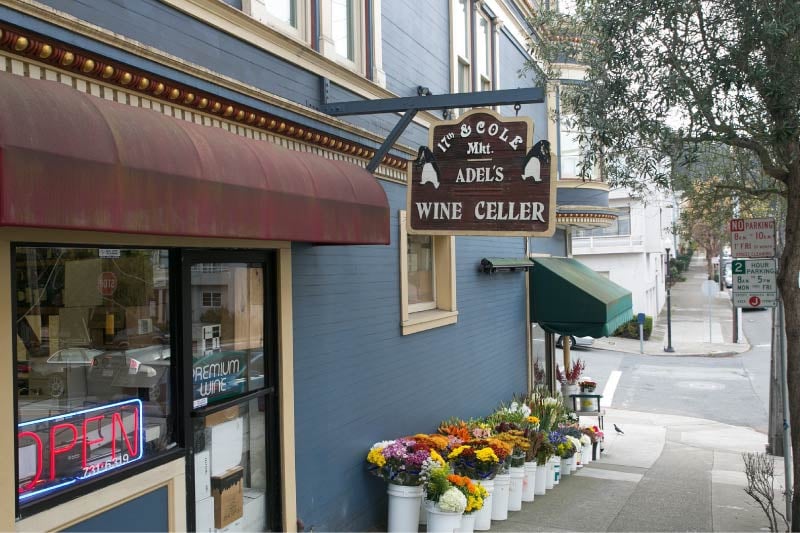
(59, 451)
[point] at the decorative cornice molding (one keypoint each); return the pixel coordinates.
(76, 60)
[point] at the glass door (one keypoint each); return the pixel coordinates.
(229, 339)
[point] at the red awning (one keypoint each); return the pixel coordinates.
(73, 161)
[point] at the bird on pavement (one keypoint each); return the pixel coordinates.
(618, 430)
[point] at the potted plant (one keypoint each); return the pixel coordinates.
(444, 501)
(400, 463)
(480, 460)
(476, 498)
(519, 444)
(569, 380)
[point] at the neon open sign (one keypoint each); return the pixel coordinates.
(59, 451)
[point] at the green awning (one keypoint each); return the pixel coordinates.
(569, 298)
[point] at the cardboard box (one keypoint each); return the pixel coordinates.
(204, 515)
(225, 441)
(202, 475)
(228, 493)
(222, 416)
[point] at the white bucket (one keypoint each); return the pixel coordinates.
(541, 479)
(586, 454)
(556, 470)
(442, 521)
(515, 488)
(573, 462)
(529, 483)
(403, 508)
(467, 523)
(565, 467)
(483, 517)
(500, 497)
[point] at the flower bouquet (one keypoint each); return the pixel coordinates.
(400, 461)
(572, 374)
(445, 501)
(546, 408)
(477, 459)
(519, 444)
(472, 490)
(587, 385)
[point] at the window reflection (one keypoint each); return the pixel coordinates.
(227, 330)
(93, 359)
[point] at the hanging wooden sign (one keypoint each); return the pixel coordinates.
(479, 175)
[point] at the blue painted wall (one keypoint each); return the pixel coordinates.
(416, 46)
(555, 245)
(145, 513)
(164, 28)
(511, 76)
(358, 381)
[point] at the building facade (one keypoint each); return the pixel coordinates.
(211, 295)
(632, 250)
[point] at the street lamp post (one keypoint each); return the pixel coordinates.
(667, 279)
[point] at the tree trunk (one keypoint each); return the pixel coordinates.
(709, 265)
(790, 292)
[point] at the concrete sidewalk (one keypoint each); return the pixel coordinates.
(666, 473)
(701, 326)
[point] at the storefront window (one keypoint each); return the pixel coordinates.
(93, 363)
(227, 331)
(231, 469)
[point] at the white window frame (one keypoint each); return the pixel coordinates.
(484, 79)
(457, 60)
(424, 306)
(445, 312)
(327, 45)
(259, 10)
(211, 299)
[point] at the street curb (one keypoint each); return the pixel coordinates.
(674, 354)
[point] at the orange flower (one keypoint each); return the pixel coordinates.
(459, 430)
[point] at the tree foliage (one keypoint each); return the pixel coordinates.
(667, 78)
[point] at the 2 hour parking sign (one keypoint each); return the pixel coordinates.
(754, 283)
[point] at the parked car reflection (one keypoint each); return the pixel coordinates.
(57, 367)
(580, 342)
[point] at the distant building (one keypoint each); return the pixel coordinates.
(632, 250)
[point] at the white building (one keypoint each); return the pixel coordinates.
(631, 251)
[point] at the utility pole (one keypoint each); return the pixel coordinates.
(667, 280)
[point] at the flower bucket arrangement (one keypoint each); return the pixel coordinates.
(476, 496)
(569, 380)
(445, 502)
(400, 462)
(474, 471)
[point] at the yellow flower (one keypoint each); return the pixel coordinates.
(455, 453)
(436, 457)
(533, 420)
(486, 455)
(376, 457)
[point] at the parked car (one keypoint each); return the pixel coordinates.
(584, 342)
(728, 276)
(57, 366)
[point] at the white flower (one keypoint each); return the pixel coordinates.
(575, 442)
(514, 407)
(382, 444)
(585, 440)
(453, 500)
(550, 401)
(526, 411)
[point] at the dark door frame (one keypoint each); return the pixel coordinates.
(268, 395)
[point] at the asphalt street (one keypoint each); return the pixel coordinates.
(733, 389)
